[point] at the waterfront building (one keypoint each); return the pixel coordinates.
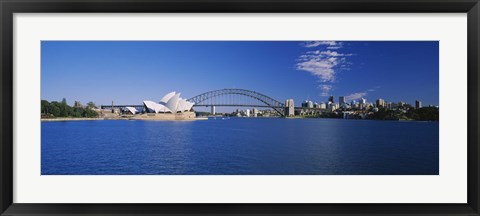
(170, 103)
(380, 103)
(310, 104)
(361, 106)
(255, 112)
(247, 113)
(213, 110)
(418, 104)
(342, 100)
(363, 101)
(322, 105)
(307, 104)
(389, 105)
(330, 99)
(333, 107)
(353, 103)
(289, 108)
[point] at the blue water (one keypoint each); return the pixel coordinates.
(238, 146)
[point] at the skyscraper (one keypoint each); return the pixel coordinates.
(380, 103)
(310, 104)
(322, 105)
(330, 99)
(212, 110)
(255, 112)
(289, 108)
(363, 101)
(418, 104)
(389, 105)
(341, 100)
(305, 103)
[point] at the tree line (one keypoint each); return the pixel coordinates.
(62, 109)
(421, 114)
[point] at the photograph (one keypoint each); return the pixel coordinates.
(218, 107)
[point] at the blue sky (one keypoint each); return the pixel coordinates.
(129, 72)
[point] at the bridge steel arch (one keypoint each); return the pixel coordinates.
(264, 99)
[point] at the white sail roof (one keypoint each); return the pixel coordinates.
(132, 109)
(181, 105)
(172, 103)
(161, 108)
(188, 106)
(150, 105)
(167, 97)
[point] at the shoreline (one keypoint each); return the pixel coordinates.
(203, 118)
(97, 119)
(69, 119)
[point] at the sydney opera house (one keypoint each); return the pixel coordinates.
(170, 107)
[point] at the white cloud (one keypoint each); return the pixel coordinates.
(325, 90)
(334, 47)
(332, 44)
(323, 62)
(328, 53)
(322, 68)
(373, 89)
(356, 96)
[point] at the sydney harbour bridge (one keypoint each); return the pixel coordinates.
(228, 98)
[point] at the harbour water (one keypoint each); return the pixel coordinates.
(240, 146)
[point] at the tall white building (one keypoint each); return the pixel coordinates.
(322, 105)
(289, 108)
(255, 112)
(363, 101)
(213, 110)
(380, 102)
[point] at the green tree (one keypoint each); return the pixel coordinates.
(91, 105)
(45, 106)
(62, 109)
(54, 109)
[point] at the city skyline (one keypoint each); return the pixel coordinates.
(130, 72)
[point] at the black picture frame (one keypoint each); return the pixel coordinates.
(9, 7)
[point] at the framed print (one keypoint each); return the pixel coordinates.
(247, 108)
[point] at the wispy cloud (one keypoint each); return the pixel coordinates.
(322, 68)
(325, 90)
(326, 44)
(355, 96)
(373, 89)
(323, 62)
(358, 95)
